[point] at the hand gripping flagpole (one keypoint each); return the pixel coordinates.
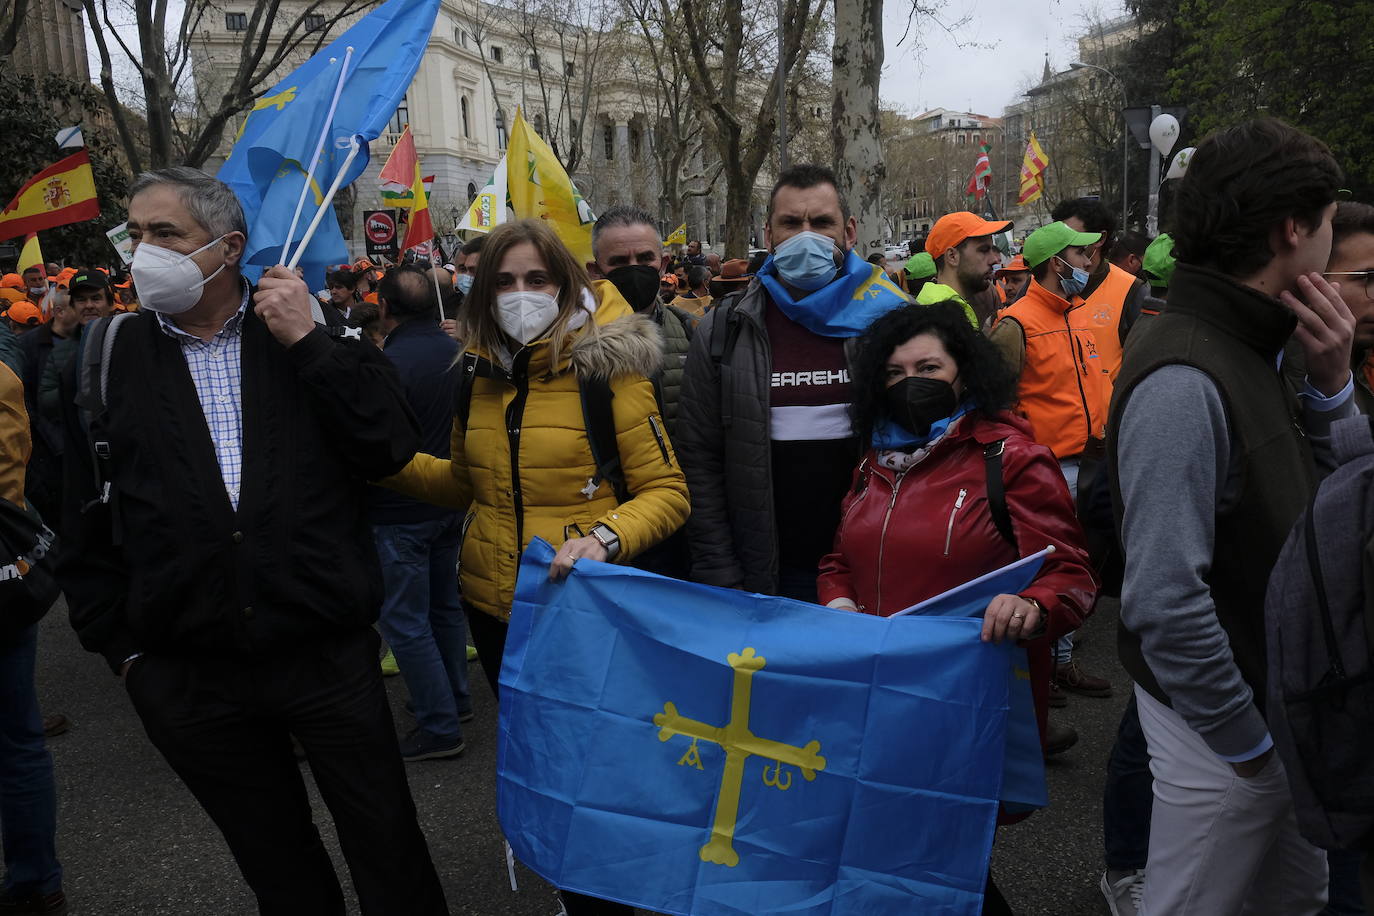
(353, 147)
(319, 148)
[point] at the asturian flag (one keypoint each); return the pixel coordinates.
(689, 749)
(1033, 166)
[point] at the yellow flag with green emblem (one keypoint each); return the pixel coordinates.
(539, 188)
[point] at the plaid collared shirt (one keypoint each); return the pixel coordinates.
(216, 369)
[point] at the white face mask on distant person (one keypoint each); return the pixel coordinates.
(526, 314)
(168, 281)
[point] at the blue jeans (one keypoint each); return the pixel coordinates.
(1128, 797)
(28, 797)
(422, 619)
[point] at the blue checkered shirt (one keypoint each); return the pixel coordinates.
(216, 368)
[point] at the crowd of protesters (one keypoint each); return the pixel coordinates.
(266, 483)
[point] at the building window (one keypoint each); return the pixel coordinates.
(314, 22)
(472, 192)
(236, 22)
(539, 124)
(962, 139)
(977, 140)
(400, 120)
(495, 53)
(634, 144)
(569, 69)
(534, 62)
(608, 138)
(460, 37)
(463, 110)
(500, 131)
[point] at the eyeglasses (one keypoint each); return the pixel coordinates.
(1356, 275)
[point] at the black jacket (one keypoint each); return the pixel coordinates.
(424, 359)
(170, 566)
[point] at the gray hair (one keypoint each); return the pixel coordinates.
(210, 201)
(621, 215)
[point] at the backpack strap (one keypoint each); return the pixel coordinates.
(724, 329)
(600, 419)
(93, 385)
(997, 493)
(462, 393)
(1314, 565)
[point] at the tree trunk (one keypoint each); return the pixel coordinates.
(739, 205)
(857, 59)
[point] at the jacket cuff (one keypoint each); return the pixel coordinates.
(119, 649)
(1056, 624)
(310, 348)
(1232, 738)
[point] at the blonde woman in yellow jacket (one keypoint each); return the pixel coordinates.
(522, 467)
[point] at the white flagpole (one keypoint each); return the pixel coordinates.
(434, 274)
(319, 148)
(353, 148)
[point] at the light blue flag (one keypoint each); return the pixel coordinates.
(271, 156)
(689, 749)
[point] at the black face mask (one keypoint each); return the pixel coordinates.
(915, 403)
(638, 283)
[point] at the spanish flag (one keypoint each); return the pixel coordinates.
(402, 170)
(31, 255)
(539, 188)
(62, 193)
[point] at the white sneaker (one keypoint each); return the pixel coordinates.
(1124, 894)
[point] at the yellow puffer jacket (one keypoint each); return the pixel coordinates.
(14, 437)
(540, 491)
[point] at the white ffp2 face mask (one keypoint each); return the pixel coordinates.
(168, 281)
(525, 314)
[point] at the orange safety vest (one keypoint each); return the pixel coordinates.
(1104, 309)
(1064, 392)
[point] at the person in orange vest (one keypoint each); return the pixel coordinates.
(1048, 339)
(1113, 296)
(1011, 280)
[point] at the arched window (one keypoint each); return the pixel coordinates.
(539, 124)
(472, 192)
(467, 124)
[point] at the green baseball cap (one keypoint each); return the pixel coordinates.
(1159, 260)
(1047, 241)
(920, 265)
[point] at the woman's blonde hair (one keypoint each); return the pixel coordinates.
(477, 314)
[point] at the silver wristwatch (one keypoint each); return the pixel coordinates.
(607, 539)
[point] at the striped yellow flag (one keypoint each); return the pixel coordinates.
(1033, 167)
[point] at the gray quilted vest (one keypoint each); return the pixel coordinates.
(1318, 614)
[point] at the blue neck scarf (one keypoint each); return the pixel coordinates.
(894, 437)
(860, 294)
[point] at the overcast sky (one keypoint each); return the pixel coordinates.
(982, 65)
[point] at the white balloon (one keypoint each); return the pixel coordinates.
(1164, 133)
(1179, 167)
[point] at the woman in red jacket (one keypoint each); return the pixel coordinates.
(931, 396)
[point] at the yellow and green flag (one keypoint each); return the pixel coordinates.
(679, 236)
(539, 188)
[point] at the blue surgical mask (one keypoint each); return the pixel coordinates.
(464, 282)
(1074, 284)
(806, 260)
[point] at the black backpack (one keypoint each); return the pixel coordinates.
(1318, 615)
(27, 586)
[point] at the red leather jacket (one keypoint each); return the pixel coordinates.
(905, 537)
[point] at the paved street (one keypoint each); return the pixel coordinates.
(133, 840)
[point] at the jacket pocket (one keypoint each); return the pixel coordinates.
(954, 510)
(463, 536)
(660, 437)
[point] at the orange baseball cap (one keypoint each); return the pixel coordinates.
(64, 276)
(953, 228)
(25, 313)
(1015, 264)
(11, 295)
(12, 281)
(668, 280)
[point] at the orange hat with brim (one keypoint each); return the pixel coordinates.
(954, 228)
(1015, 264)
(12, 281)
(64, 276)
(25, 313)
(11, 295)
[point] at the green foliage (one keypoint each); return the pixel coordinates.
(1309, 62)
(35, 109)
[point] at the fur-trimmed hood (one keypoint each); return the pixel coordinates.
(628, 345)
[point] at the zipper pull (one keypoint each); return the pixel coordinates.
(959, 503)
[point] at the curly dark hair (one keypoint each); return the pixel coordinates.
(1243, 181)
(988, 381)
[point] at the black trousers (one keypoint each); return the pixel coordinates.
(488, 636)
(225, 727)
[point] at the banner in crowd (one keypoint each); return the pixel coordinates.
(271, 158)
(539, 188)
(62, 193)
(982, 174)
(123, 245)
(488, 208)
(689, 749)
(678, 236)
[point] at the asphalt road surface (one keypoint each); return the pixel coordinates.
(133, 840)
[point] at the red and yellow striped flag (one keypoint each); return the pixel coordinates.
(62, 193)
(1033, 168)
(402, 169)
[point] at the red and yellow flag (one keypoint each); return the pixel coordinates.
(1033, 167)
(62, 193)
(402, 169)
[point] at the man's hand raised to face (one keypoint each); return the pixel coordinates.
(1326, 328)
(283, 303)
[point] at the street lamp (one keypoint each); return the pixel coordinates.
(1126, 136)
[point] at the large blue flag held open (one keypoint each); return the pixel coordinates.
(689, 749)
(273, 153)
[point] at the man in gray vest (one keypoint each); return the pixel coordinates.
(1213, 458)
